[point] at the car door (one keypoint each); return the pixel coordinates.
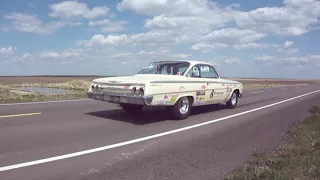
(216, 88)
(199, 85)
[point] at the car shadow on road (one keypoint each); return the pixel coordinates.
(151, 114)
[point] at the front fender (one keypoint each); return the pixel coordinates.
(229, 93)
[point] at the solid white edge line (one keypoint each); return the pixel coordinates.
(44, 102)
(256, 92)
(55, 158)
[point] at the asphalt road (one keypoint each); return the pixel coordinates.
(95, 140)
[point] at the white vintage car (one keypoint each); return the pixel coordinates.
(178, 85)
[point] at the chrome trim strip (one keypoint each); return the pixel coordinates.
(212, 82)
(118, 84)
(183, 92)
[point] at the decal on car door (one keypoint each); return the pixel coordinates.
(211, 94)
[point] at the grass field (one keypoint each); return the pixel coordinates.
(78, 85)
(299, 158)
(10, 93)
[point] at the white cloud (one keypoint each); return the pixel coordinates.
(293, 61)
(315, 57)
(232, 61)
(151, 38)
(254, 45)
(288, 44)
(75, 9)
(187, 21)
(208, 47)
(286, 61)
(181, 56)
(187, 16)
(101, 40)
(108, 26)
(287, 47)
(239, 39)
(233, 36)
(74, 24)
(31, 24)
(154, 53)
(263, 59)
(49, 55)
(159, 37)
(68, 53)
(296, 17)
(36, 58)
(7, 51)
(148, 7)
(122, 54)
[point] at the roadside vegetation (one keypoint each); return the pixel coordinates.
(12, 93)
(260, 86)
(299, 158)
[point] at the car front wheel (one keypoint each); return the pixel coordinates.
(181, 109)
(233, 101)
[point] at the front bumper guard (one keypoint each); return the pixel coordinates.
(119, 98)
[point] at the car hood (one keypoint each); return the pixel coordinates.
(231, 81)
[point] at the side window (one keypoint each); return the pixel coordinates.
(208, 72)
(194, 72)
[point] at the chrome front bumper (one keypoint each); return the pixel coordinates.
(119, 98)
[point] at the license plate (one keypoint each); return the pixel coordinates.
(114, 98)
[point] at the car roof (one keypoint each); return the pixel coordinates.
(192, 62)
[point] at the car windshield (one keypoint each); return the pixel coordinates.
(168, 68)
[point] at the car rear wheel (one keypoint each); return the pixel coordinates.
(233, 101)
(132, 108)
(181, 109)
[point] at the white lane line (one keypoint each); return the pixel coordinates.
(283, 89)
(270, 90)
(44, 102)
(55, 158)
(257, 92)
(19, 115)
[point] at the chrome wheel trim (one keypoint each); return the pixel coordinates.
(184, 105)
(234, 98)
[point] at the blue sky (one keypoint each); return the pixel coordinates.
(265, 38)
